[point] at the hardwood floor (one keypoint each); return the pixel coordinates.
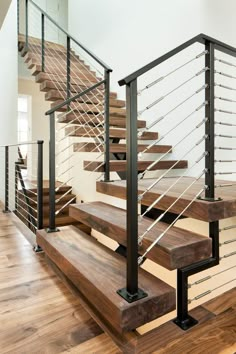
(38, 314)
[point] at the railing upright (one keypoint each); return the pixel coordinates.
(43, 41)
(40, 185)
(107, 126)
(210, 123)
(132, 292)
(6, 209)
(52, 176)
(26, 25)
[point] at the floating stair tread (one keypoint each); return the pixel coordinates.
(98, 119)
(177, 249)
(114, 133)
(99, 272)
(61, 220)
(47, 85)
(91, 108)
(199, 209)
(120, 148)
(120, 165)
(54, 95)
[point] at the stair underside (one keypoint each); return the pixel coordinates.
(120, 148)
(99, 272)
(199, 209)
(177, 249)
(120, 165)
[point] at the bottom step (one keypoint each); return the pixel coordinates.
(99, 272)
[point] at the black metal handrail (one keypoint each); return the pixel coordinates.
(201, 38)
(89, 52)
(132, 291)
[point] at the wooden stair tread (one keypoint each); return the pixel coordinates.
(120, 165)
(99, 272)
(98, 119)
(120, 148)
(199, 209)
(91, 108)
(47, 85)
(61, 220)
(177, 249)
(114, 132)
(55, 95)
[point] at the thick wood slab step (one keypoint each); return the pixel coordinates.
(96, 109)
(98, 119)
(58, 79)
(120, 165)
(199, 209)
(48, 85)
(61, 220)
(99, 272)
(114, 133)
(55, 95)
(120, 148)
(178, 248)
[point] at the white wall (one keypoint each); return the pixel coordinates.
(129, 34)
(39, 123)
(8, 81)
(4, 6)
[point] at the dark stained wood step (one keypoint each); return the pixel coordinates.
(91, 108)
(177, 249)
(120, 165)
(55, 95)
(98, 119)
(99, 272)
(61, 220)
(120, 148)
(50, 57)
(65, 199)
(199, 209)
(58, 70)
(48, 85)
(57, 79)
(114, 133)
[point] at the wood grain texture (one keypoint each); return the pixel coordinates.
(91, 119)
(120, 148)
(178, 248)
(99, 272)
(121, 165)
(114, 132)
(199, 209)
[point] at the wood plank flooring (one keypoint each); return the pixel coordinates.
(38, 314)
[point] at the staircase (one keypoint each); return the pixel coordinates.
(116, 291)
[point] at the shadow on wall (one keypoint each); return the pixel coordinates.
(4, 6)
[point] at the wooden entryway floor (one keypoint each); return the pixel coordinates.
(38, 314)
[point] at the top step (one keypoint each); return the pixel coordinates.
(98, 273)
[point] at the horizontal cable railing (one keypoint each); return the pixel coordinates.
(22, 191)
(78, 83)
(172, 101)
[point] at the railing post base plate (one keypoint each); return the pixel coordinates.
(131, 298)
(186, 324)
(38, 249)
(50, 231)
(6, 211)
(210, 199)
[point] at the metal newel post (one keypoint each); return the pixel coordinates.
(68, 59)
(52, 176)
(210, 124)
(132, 292)
(26, 25)
(107, 127)
(43, 42)
(40, 185)
(6, 210)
